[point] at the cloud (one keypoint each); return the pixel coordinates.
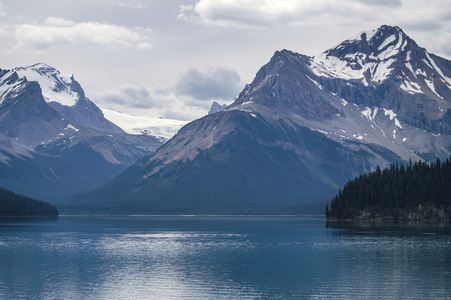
(129, 4)
(269, 13)
(387, 3)
(131, 95)
(255, 13)
(214, 83)
(2, 12)
(55, 32)
(190, 98)
(150, 101)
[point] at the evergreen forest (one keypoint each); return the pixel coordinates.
(12, 204)
(417, 191)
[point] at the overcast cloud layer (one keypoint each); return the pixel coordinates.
(174, 58)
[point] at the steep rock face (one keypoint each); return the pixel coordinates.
(24, 115)
(400, 90)
(300, 130)
(66, 96)
(399, 75)
(46, 155)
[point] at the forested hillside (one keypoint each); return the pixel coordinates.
(12, 204)
(417, 191)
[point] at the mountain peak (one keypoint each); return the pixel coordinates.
(56, 86)
(381, 44)
(44, 69)
(368, 57)
(383, 32)
(41, 66)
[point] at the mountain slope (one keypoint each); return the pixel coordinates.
(299, 131)
(64, 94)
(47, 155)
(14, 205)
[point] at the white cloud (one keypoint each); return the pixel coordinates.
(257, 13)
(190, 98)
(55, 32)
(424, 21)
(214, 83)
(51, 21)
(150, 101)
(5, 33)
(129, 4)
(267, 13)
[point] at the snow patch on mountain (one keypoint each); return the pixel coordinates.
(439, 71)
(369, 67)
(370, 114)
(392, 50)
(10, 85)
(334, 67)
(386, 42)
(392, 115)
(411, 87)
(149, 125)
(367, 34)
(55, 86)
(70, 126)
(430, 84)
(315, 82)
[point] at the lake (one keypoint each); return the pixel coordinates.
(156, 257)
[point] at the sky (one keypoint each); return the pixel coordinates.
(173, 58)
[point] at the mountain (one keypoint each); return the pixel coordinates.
(54, 142)
(63, 93)
(297, 133)
(216, 107)
(161, 128)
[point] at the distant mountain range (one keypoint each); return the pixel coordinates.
(54, 141)
(161, 128)
(297, 133)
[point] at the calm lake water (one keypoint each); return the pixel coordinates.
(222, 258)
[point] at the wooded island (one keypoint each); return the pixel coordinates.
(418, 191)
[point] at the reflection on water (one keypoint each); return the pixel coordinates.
(443, 227)
(402, 259)
(222, 258)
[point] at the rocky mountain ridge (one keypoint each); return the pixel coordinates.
(50, 150)
(63, 93)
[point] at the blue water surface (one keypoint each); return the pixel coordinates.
(218, 257)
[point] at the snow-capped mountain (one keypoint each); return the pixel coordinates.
(54, 142)
(55, 86)
(63, 93)
(374, 56)
(298, 132)
(379, 88)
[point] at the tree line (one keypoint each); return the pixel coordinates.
(12, 204)
(417, 190)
